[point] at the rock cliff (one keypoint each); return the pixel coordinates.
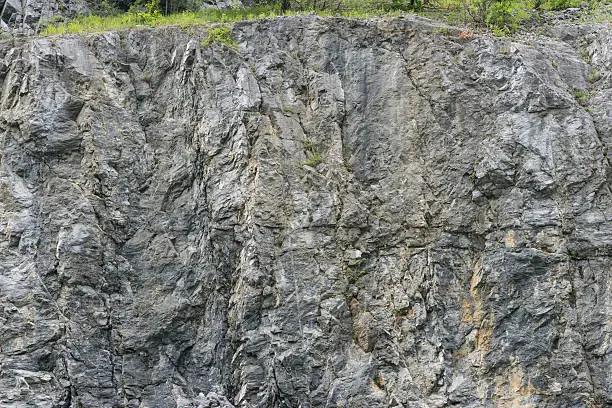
(24, 17)
(332, 213)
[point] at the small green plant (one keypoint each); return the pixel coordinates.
(308, 145)
(443, 31)
(401, 312)
(594, 76)
(554, 64)
(221, 34)
(585, 55)
(499, 32)
(191, 30)
(346, 157)
(581, 96)
(314, 160)
(314, 157)
(354, 274)
(287, 110)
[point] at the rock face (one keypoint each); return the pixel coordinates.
(336, 213)
(24, 16)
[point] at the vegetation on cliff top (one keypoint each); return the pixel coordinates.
(502, 16)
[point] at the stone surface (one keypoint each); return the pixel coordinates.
(338, 213)
(24, 17)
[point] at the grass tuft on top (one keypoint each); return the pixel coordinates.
(502, 17)
(97, 24)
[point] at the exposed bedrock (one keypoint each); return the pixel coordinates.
(337, 213)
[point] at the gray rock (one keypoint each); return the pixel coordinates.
(357, 213)
(24, 17)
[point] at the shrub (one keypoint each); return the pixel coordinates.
(506, 15)
(222, 35)
(503, 16)
(144, 14)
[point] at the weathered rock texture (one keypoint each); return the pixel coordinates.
(25, 16)
(338, 213)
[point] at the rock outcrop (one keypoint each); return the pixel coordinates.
(25, 16)
(336, 213)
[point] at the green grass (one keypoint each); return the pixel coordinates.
(314, 160)
(504, 16)
(97, 24)
(598, 12)
(313, 155)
